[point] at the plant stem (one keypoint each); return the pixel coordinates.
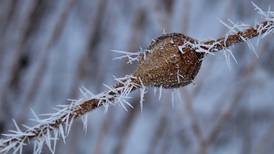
(242, 36)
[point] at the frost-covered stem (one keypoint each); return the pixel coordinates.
(241, 36)
(65, 116)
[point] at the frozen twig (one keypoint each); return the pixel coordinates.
(58, 124)
(223, 43)
(260, 30)
(237, 33)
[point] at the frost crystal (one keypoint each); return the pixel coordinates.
(131, 56)
(142, 94)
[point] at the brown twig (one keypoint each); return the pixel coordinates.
(229, 40)
(66, 117)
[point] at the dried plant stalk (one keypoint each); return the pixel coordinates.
(171, 61)
(62, 120)
(220, 44)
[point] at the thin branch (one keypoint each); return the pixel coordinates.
(242, 36)
(59, 124)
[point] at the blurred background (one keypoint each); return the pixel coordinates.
(50, 48)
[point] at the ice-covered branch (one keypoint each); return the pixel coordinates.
(260, 30)
(58, 124)
(237, 33)
(243, 33)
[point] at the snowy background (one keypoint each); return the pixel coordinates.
(50, 48)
